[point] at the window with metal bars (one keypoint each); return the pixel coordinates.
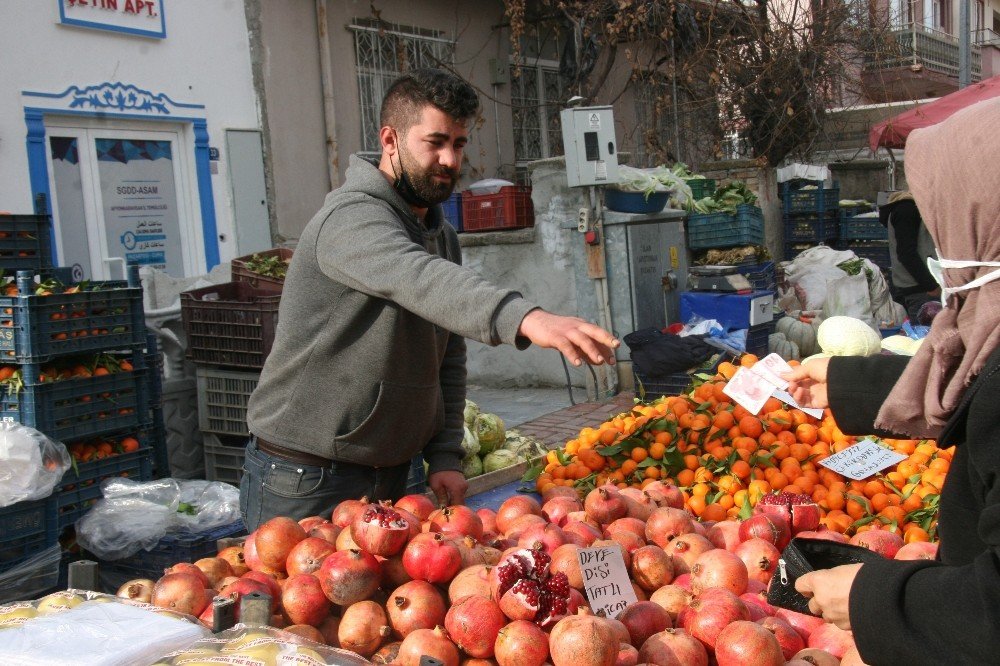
(383, 52)
(536, 98)
(651, 135)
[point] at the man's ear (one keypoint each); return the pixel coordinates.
(389, 138)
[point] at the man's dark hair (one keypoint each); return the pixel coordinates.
(411, 91)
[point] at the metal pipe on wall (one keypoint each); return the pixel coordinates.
(326, 83)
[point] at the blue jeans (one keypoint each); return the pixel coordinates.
(273, 486)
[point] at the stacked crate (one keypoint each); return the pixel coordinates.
(810, 215)
(75, 365)
(863, 234)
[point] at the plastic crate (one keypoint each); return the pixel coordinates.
(510, 208)
(675, 383)
(26, 529)
(80, 488)
(714, 230)
(171, 549)
(761, 276)
(793, 250)
(701, 187)
(876, 252)
(635, 202)
(30, 577)
(810, 228)
(71, 409)
(222, 400)
(25, 242)
(862, 228)
(241, 273)
(757, 339)
(224, 456)
(108, 315)
(452, 209)
(820, 200)
(231, 324)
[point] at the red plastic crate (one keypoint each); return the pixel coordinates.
(510, 208)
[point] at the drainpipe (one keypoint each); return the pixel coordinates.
(964, 46)
(326, 82)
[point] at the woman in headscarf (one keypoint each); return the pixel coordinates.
(944, 611)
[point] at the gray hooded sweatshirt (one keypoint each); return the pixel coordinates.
(368, 362)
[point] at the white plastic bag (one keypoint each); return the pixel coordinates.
(31, 464)
(848, 296)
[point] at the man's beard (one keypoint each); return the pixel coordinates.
(418, 186)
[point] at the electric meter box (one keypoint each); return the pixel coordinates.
(589, 143)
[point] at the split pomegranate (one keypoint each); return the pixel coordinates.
(380, 530)
(799, 511)
(137, 589)
(526, 588)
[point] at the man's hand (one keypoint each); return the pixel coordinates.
(829, 593)
(807, 383)
(578, 340)
(449, 487)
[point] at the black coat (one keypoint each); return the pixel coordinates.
(947, 611)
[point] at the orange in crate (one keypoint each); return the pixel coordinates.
(510, 208)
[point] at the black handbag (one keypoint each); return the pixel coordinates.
(804, 555)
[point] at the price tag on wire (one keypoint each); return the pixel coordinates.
(861, 460)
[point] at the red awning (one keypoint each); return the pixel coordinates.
(892, 133)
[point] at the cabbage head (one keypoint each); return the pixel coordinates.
(499, 459)
(490, 431)
(470, 443)
(472, 466)
(526, 448)
(471, 412)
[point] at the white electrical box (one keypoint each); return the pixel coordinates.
(589, 143)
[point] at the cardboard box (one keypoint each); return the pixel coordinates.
(733, 311)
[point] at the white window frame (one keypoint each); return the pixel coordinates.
(545, 108)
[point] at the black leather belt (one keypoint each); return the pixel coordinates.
(299, 457)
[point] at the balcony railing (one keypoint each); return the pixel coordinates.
(986, 37)
(918, 45)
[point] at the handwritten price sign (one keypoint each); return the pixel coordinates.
(862, 460)
(606, 580)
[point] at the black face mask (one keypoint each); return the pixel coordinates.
(417, 195)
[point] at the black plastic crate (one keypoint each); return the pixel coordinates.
(81, 487)
(761, 276)
(716, 230)
(813, 228)
(222, 400)
(231, 324)
(81, 406)
(862, 228)
(100, 316)
(757, 338)
(809, 197)
(675, 383)
(25, 242)
(26, 529)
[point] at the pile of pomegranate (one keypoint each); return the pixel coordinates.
(395, 582)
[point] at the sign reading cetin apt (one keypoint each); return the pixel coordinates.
(133, 17)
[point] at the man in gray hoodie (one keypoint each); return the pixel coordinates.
(368, 363)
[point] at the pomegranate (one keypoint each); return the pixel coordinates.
(823, 533)
(472, 580)
(560, 491)
(831, 638)
(758, 601)
(521, 643)
(243, 586)
(489, 518)
(672, 598)
(345, 540)
(769, 528)
(474, 552)
(587, 533)
(760, 558)
(744, 643)
(310, 522)
(273, 587)
(432, 557)
(326, 531)
(666, 494)
(633, 526)
(917, 550)
(880, 540)
(137, 589)
(343, 514)
(215, 569)
(234, 555)
(799, 511)
(802, 623)
(307, 555)
(514, 507)
(627, 655)
(852, 658)
(605, 504)
(275, 539)
(521, 524)
(393, 572)
(652, 568)
(815, 657)
(712, 612)
(527, 590)
(456, 521)
(626, 555)
(724, 534)
(387, 654)
(420, 506)
(557, 509)
(349, 576)
(565, 559)
(415, 605)
(380, 530)
(303, 601)
(582, 640)
(683, 581)
(582, 517)
(187, 567)
(306, 631)
(549, 536)
(685, 549)
(473, 623)
(788, 638)
(641, 504)
(182, 592)
(363, 628)
(673, 646)
(643, 619)
(667, 523)
(427, 642)
(328, 627)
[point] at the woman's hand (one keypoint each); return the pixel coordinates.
(807, 383)
(829, 593)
